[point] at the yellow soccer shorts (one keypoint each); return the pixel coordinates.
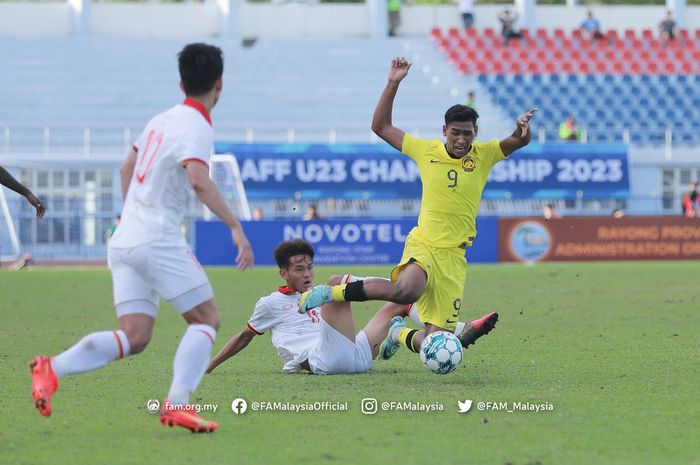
(446, 269)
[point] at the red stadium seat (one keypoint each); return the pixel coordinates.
(669, 67)
(630, 35)
(637, 44)
(463, 68)
(549, 67)
(514, 67)
(481, 67)
(489, 32)
(436, 33)
(566, 67)
(601, 67)
(634, 67)
(541, 33)
(687, 68)
(533, 67)
(584, 67)
(612, 36)
(618, 67)
(628, 55)
(453, 32)
(652, 68)
(559, 33)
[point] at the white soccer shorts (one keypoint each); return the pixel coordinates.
(336, 354)
(142, 274)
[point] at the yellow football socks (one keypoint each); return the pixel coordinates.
(338, 293)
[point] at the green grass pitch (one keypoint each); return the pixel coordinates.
(613, 347)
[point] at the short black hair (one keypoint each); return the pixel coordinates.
(461, 113)
(287, 249)
(201, 65)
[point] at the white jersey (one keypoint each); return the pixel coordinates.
(293, 334)
(159, 189)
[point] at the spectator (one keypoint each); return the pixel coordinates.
(258, 214)
(550, 212)
(394, 16)
(471, 100)
(112, 228)
(590, 28)
(508, 26)
(466, 9)
(691, 203)
(568, 130)
(312, 213)
(667, 28)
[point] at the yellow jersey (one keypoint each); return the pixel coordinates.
(452, 189)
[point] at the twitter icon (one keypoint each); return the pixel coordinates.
(465, 406)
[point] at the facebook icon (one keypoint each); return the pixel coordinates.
(239, 406)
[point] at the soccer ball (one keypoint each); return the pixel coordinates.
(441, 352)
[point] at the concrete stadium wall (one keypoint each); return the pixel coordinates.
(266, 20)
(155, 19)
(36, 19)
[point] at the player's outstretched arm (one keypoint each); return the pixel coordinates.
(209, 195)
(232, 347)
(381, 120)
(521, 136)
(7, 180)
(126, 171)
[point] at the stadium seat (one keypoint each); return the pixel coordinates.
(618, 82)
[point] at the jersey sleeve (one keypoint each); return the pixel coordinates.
(262, 319)
(140, 141)
(414, 148)
(196, 146)
(493, 151)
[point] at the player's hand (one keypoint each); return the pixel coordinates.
(523, 121)
(36, 203)
(245, 258)
(399, 69)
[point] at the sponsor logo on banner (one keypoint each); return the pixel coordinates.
(530, 241)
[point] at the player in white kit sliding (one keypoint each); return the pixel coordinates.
(148, 255)
(323, 340)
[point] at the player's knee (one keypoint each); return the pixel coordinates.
(204, 314)
(138, 342)
(406, 294)
(335, 280)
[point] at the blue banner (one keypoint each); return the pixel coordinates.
(341, 242)
(321, 171)
(378, 171)
(556, 171)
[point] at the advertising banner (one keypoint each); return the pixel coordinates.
(343, 242)
(379, 171)
(595, 238)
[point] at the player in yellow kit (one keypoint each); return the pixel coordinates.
(432, 270)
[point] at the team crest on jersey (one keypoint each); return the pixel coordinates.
(468, 164)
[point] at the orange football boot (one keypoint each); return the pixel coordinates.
(44, 383)
(176, 415)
